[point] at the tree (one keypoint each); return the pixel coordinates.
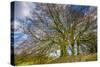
(55, 27)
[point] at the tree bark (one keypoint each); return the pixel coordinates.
(78, 49)
(73, 52)
(63, 51)
(78, 43)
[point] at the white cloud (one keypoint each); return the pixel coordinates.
(22, 9)
(25, 9)
(16, 24)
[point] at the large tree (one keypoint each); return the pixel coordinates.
(52, 27)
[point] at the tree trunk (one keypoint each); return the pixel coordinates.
(78, 49)
(78, 43)
(63, 51)
(73, 52)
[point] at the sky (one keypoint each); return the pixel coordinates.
(79, 8)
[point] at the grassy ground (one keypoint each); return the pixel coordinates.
(78, 58)
(46, 60)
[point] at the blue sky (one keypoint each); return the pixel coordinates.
(79, 8)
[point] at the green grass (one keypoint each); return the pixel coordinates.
(29, 60)
(78, 58)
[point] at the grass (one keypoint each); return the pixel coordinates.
(49, 60)
(78, 58)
